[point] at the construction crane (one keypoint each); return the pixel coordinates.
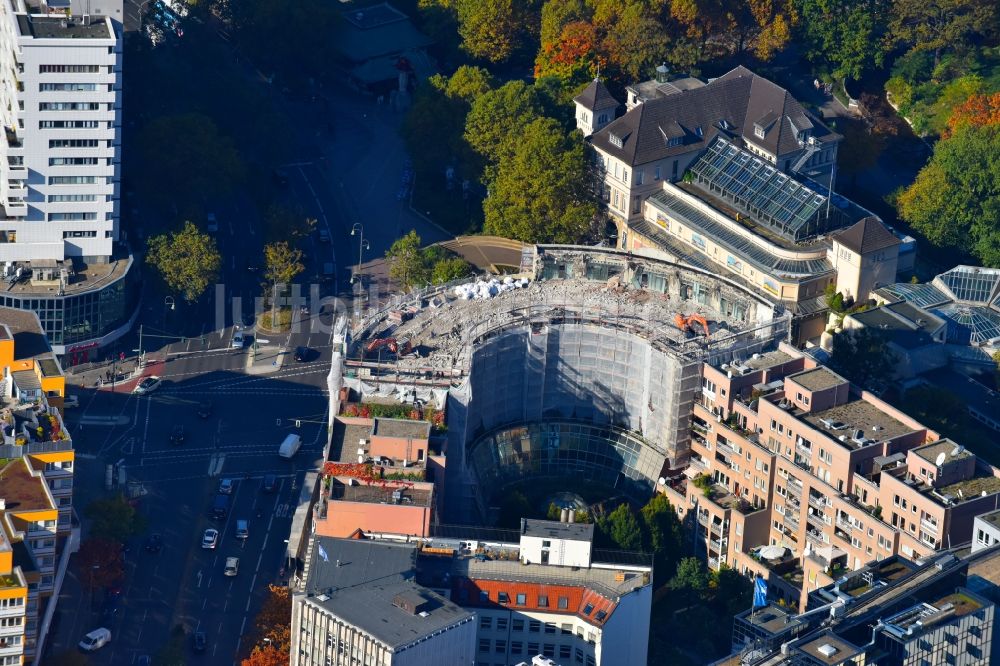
(400, 347)
(685, 323)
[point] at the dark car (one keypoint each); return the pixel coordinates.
(205, 409)
(248, 319)
(177, 435)
(154, 543)
(270, 483)
(302, 354)
(200, 643)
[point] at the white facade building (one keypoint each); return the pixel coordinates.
(62, 115)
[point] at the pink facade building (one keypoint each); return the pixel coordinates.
(797, 476)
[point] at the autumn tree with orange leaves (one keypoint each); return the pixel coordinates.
(272, 630)
(573, 57)
(977, 111)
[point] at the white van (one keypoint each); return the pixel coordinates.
(242, 529)
(290, 446)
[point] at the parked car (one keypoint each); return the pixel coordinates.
(205, 409)
(302, 354)
(324, 235)
(226, 486)
(200, 643)
(147, 385)
(239, 340)
(213, 223)
(270, 483)
(95, 640)
(177, 435)
(210, 538)
(154, 543)
(242, 529)
(232, 566)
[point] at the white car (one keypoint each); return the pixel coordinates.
(210, 538)
(95, 640)
(232, 566)
(147, 385)
(239, 340)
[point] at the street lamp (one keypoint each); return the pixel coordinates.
(359, 230)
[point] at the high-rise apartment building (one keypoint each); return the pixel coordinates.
(60, 103)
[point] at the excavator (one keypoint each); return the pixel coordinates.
(397, 347)
(685, 323)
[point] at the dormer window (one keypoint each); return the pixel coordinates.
(675, 141)
(758, 131)
(697, 130)
(615, 140)
(603, 118)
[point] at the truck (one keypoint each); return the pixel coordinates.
(290, 446)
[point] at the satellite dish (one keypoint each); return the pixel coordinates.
(940, 459)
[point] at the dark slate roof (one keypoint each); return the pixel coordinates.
(729, 105)
(556, 530)
(867, 235)
(596, 96)
(359, 581)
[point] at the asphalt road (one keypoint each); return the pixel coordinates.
(251, 414)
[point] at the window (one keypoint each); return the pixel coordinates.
(500, 647)
(484, 596)
(549, 650)
(69, 106)
(69, 124)
(73, 217)
(72, 180)
(758, 131)
(522, 599)
(73, 161)
(485, 622)
(563, 603)
(567, 629)
(656, 173)
(67, 87)
(532, 648)
(484, 645)
(74, 143)
(565, 651)
(517, 625)
(501, 624)
(69, 69)
(546, 544)
(534, 626)
(543, 601)
(62, 198)
(78, 234)
(503, 598)
(550, 627)
(578, 656)
(674, 170)
(516, 647)
(638, 177)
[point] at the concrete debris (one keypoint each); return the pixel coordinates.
(482, 289)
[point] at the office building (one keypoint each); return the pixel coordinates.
(60, 249)
(36, 487)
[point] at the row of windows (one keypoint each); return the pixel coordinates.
(70, 106)
(73, 161)
(67, 87)
(79, 234)
(72, 124)
(75, 180)
(70, 69)
(546, 649)
(75, 143)
(62, 198)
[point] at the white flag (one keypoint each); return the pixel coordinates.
(322, 553)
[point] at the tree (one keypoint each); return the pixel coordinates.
(955, 200)
(731, 592)
(282, 222)
(114, 519)
(407, 267)
(266, 656)
(185, 161)
(488, 28)
(690, 577)
(622, 528)
(466, 84)
(101, 562)
(542, 193)
(173, 653)
(452, 268)
(274, 619)
(572, 57)
(936, 25)
(664, 533)
(861, 356)
(976, 111)
(498, 118)
(283, 263)
(556, 14)
(187, 260)
(861, 147)
(635, 40)
(845, 34)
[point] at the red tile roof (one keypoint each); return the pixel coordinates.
(577, 598)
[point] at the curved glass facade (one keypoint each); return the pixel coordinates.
(584, 451)
(76, 317)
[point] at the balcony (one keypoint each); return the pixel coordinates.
(929, 526)
(845, 525)
(818, 502)
(817, 519)
(816, 538)
(792, 522)
(725, 447)
(13, 140)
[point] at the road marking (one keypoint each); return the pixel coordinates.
(199, 577)
(142, 626)
(203, 604)
(145, 429)
(250, 598)
(259, 558)
(210, 579)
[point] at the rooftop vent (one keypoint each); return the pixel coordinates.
(827, 650)
(411, 602)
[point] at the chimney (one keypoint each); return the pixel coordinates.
(564, 516)
(572, 516)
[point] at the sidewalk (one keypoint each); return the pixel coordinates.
(128, 375)
(268, 358)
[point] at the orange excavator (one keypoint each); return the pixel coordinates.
(685, 323)
(397, 347)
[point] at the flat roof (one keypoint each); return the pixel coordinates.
(20, 490)
(828, 648)
(771, 618)
(26, 380)
(401, 428)
(930, 452)
(379, 495)
(971, 488)
(553, 529)
(87, 277)
(855, 415)
(359, 581)
(45, 27)
(29, 340)
(817, 379)
(344, 441)
(767, 360)
(991, 518)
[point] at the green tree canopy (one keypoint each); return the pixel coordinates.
(283, 222)
(406, 262)
(861, 355)
(690, 576)
(283, 263)
(845, 34)
(187, 260)
(955, 200)
(665, 534)
(466, 84)
(185, 160)
(937, 25)
(556, 14)
(448, 269)
(489, 28)
(114, 519)
(622, 528)
(542, 194)
(498, 118)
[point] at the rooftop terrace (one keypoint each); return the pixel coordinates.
(970, 488)
(857, 414)
(20, 490)
(85, 278)
(380, 495)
